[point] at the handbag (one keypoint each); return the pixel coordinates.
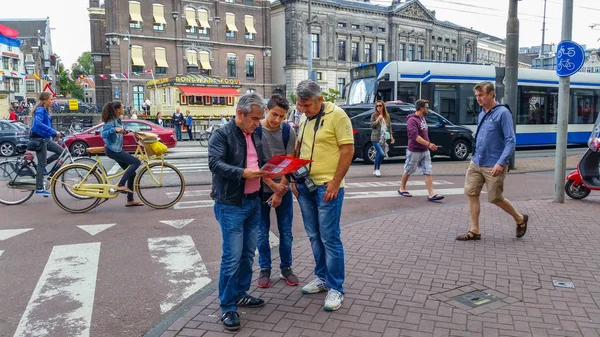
(35, 144)
(388, 136)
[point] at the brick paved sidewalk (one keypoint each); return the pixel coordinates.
(403, 270)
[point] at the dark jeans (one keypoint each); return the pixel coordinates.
(239, 230)
(189, 131)
(322, 225)
(178, 132)
(126, 161)
(43, 160)
(285, 214)
(380, 155)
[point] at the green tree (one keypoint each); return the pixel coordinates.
(65, 85)
(84, 65)
(293, 98)
(331, 95)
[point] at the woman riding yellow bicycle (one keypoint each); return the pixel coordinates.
(112, 134)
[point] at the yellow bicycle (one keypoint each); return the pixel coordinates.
(78, 188)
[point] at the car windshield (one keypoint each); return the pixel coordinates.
(362, 91)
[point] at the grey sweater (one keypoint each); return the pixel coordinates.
(376, 129)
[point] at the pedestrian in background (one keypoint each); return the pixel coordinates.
(417, 153)
(325, 138)
(189, 122)
(235, 155)
(494, 144)
(159, 120)
(294, 120)
(278, 139)
(177, 120)
(381, 131)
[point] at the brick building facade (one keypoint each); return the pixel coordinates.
(227, 39)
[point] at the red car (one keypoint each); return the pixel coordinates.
(78, 142)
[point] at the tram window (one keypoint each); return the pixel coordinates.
(536, 105)
(586, 107)
(408, 92)
(385, 90)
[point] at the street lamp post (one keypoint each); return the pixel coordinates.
(128, 39)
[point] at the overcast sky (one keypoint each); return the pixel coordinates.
(71, 28)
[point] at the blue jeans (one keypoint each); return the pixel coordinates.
(126, 161)
(322, 225)
(178, 132)
(239, 229)
(285, 214)
(380, 155)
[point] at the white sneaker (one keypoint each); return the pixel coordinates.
(377, 173)
(315, 286)
(334, 300)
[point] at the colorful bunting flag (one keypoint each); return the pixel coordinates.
(113, 76)
(37, 77)
(8, 36)
(14, 74)
(103, 77)
(125, 75)
(148, 71)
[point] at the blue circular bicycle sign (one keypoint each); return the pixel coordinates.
(570, 57)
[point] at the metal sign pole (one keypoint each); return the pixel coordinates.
(563, 105)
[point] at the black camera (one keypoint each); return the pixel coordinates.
(302, 177)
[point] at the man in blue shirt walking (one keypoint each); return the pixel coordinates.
(494, 143)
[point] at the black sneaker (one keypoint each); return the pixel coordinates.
(250, 302)
(264, 278)
(231, 320)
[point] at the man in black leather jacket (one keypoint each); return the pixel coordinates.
(234, 157)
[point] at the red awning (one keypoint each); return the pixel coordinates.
(209, 91)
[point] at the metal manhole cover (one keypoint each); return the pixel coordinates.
(476, 299)
(563, 284)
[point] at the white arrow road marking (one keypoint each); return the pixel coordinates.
(394, 194)
(95, 229)
(181, 265)
(177, 223)
(63, 299)
(194, 204)
(9, 233)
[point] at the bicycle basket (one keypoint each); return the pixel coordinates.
(147, 137)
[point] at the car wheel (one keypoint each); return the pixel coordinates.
(369, 154)
(7, 149)
(78, 148)
(460, 150)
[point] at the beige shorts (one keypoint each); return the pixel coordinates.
(477, 176)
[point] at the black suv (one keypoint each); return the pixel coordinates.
(452, 140)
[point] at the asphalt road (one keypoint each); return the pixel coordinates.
(116, 271)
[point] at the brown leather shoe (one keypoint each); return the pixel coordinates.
(522, 228)
(469, 236)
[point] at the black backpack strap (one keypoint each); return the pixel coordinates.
(286, 134)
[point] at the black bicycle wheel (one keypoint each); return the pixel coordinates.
(66, 196)
(159, 185)
(17, 183)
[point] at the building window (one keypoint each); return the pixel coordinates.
(341, 83)
(401, 52)
(380, 49)
(15, 65)
(231, 28)
(158, 12)
(453, 57)
(5, 63)
(250, 30)
(30, 86)
(381, 29)
(203, 19)
(355, 26)
(230, 1)
(6, 84)
(319, 76)
(447, 40)
(316, 53)
(135, 15)
(439, 38)
(468, 58)
(453, 41)
(341, 25)
(341, 50)
(411, 52)
(354, 50)
(137, 69)
(138, 97)
(250, 90)
(369, 28)
(191, 25)
(432, 37)
(368, 53)
(231, 65)
(439, 56)
(160, 70)
(432, 55)
(447, 56)
(16, 85)
(249, 66)
(419, 52)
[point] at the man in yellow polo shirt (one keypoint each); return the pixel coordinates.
(325, 136)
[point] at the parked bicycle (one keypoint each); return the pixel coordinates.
(205, 136)
(157, 183)
(17, 177)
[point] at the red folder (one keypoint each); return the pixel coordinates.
(279, 165)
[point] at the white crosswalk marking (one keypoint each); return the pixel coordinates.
(393, 183)
(394, 194)
(1, 251)
(194, 204)
(63, 299)
(182, 268)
